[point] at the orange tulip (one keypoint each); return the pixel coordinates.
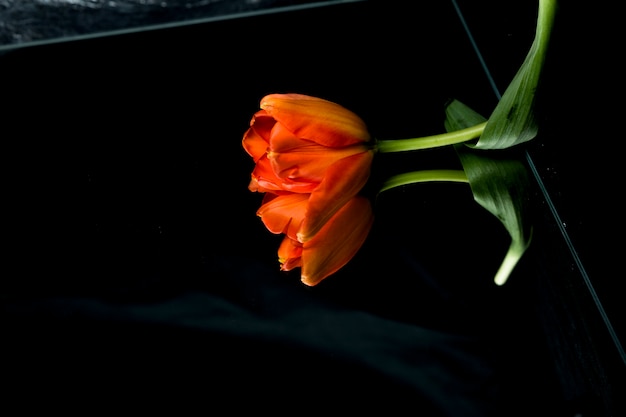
(312, 159)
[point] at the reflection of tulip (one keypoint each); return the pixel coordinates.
(312, 159)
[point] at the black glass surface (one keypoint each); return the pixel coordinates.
(135, 254)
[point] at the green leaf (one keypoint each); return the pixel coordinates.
(499, 183)
(458, 114)
(513, 120)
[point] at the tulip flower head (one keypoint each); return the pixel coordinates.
(312, 158)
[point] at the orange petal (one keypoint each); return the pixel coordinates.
(283, 213)
(282, 139)
(337, 242)
(315, 119)
(305, 161)
(290, 254)
(256, 139)
(344, 180)
(263, 177)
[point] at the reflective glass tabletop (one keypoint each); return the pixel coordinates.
(131, 223)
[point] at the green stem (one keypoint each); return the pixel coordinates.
(512, 257)
(426, 142)
(424, 176)
(545, 21)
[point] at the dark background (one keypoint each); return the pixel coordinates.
(136, 268)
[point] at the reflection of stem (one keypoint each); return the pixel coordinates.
(424, 176)
(426, 142)
(511, 259)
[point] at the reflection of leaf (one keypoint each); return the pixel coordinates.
(499, 183)
(512, 121)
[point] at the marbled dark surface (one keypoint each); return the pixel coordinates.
(23, 21)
